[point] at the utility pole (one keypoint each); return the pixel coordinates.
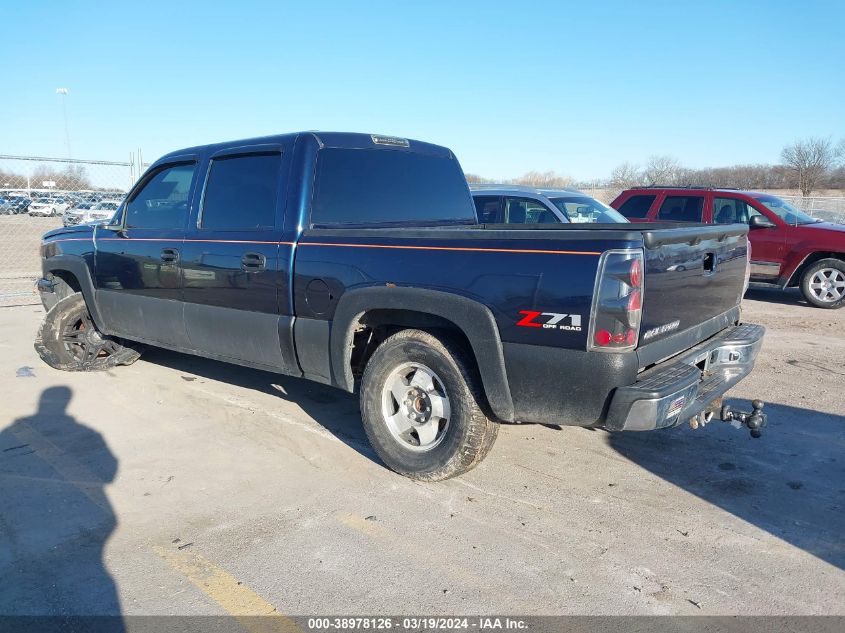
(62, 92)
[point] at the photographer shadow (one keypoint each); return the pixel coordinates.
(55, 518)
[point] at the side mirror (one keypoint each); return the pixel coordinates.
(760, 222)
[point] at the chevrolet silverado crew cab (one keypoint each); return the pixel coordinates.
(788, 247)
(357, 261)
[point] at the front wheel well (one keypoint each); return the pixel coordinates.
(65, 283)
(809, 260)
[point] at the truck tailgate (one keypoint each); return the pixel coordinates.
(693, 275)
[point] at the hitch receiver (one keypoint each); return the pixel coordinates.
(755, 421)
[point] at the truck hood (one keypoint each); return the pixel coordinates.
(80, 230)
(825, 226)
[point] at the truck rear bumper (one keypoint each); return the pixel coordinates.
(678, 389)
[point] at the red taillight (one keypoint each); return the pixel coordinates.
(618, 301)
(604, 338)
(636, 273)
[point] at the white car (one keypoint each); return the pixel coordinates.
(47, 207)
(97, 212)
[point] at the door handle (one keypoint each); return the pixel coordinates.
(253, 262)
(169, 255)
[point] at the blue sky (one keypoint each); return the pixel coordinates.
(574, 87)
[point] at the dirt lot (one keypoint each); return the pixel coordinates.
(185, 486)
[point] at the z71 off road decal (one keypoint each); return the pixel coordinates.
(550, 320)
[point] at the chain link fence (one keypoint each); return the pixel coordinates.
(38, 194)
(827, 208)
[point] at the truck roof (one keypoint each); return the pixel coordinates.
(348, 140)
(505, 188)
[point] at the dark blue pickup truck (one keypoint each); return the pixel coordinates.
(357, 261)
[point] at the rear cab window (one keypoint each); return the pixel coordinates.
(637, 206)
(681, 208)
(382, 187)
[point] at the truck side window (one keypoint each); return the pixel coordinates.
(732, 210)
(162, 203)
(681, 209)
(636, 206)
(489, 209)
(526, 211)
(241, 192)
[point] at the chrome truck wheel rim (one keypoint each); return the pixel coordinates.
(828, 284)
(415, 407)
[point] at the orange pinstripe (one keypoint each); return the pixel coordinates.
(338, 245)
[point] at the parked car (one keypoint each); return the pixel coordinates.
(20, 204)
(789, 248)
(357, 261)
(6, 207)
(85, 212)
(47, 207)
(75, 215)
(515, 204)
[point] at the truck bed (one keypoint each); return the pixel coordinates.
(551, 267)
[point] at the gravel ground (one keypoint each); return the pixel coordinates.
(185, 486)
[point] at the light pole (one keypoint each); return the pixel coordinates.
(62, 92)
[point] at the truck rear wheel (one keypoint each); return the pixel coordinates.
(823, 283)
(69, 340)
(421, 403)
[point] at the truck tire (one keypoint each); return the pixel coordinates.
(68, 340)
(422, 407)
(823, 283)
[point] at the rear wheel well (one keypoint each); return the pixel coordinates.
(811, 259)
(375, 326)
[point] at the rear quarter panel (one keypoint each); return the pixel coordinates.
(544, 272)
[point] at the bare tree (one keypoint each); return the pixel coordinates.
(626, 175)
(475, 178)
(809, 160)
(548, 179)
(73, 177)
(663, 170)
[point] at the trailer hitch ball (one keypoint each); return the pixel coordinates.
(755, 421)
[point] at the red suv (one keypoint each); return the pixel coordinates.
(788, 247)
